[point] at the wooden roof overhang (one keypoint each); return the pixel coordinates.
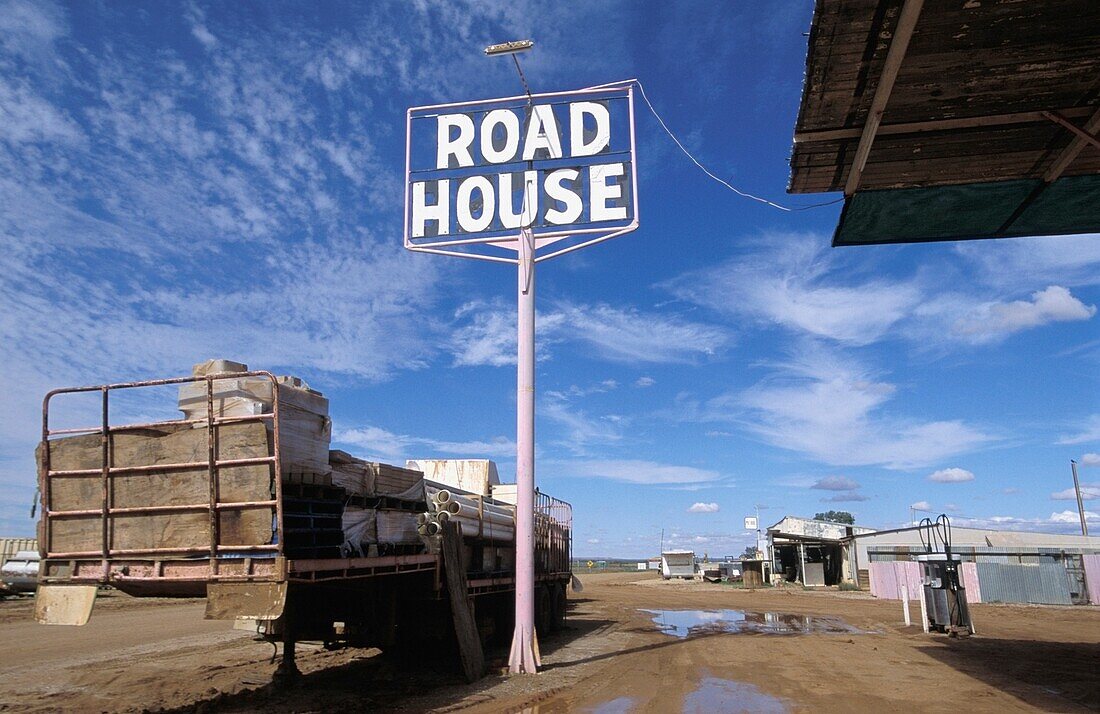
(947, 120)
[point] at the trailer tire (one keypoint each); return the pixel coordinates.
(559, 605)
(544, 615)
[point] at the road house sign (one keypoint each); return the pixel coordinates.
(560, 165)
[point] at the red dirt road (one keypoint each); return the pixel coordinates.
(161, 655)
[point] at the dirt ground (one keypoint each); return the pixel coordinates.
(160, 655)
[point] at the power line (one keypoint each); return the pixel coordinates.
(708, 172)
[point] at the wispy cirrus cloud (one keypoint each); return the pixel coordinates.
(830, 408)
(380, 444)
(795, 282)
(791, 281)
(1088, 432)
(485, 334)
(1023, 263)
(636, 471)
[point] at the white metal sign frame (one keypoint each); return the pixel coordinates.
(544, 238)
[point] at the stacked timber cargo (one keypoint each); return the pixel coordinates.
(304, 425)
(150, 490)
(380, 506)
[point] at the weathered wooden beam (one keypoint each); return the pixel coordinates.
(923, 127)
(1064, 159)
(899, 45)
(1087, 136)
(462, 610)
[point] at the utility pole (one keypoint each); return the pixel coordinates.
(1080, 501)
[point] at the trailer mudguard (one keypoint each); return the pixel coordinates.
(64, 604)
(254, 601)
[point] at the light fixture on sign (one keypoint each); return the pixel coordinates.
(509, 48)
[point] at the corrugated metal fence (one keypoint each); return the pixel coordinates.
(1009, 575)
(1042, 583)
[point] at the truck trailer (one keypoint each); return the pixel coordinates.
(231, 502)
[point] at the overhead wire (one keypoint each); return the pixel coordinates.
(708, 172)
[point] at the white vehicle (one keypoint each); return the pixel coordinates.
(678, 564)
(20, 572)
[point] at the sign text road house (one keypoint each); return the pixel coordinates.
(558, 164)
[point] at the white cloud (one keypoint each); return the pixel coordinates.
(630, 336)
(637, 471)
(485, 334)
(921, 506)
(951, 475)
(1073, 517)
(994, 321)
(578, 429)
(826, 406)
(794, 281)
(835, 483)
(700, 507)
(848, 497)
(1023, 262)
(385, 445)
(1090, 431)
(645, 382)
(1067, 522)
(1089, 491)
(489, 338)
(1089, 460)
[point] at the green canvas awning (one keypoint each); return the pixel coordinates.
(944, 120)
(999, 209)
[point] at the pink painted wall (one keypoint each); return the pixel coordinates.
(969, 573)
(1092, 578)
(887, 577)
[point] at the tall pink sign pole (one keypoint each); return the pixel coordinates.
(525, 656)
(605, 208)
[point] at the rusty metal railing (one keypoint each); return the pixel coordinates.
(553, 534)
(212, 464)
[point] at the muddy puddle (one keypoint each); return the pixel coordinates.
(690, 623)
(725, 695)
(711, 695)
(621, 705)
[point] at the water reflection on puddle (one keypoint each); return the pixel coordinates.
(688, 623)
(725, 695)
(622, 705)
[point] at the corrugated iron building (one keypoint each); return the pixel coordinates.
(1011, 567)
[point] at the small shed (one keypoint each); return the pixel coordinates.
(812, 552)
(678, 564)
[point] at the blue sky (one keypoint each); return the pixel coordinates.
(181, 181)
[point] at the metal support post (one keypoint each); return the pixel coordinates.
(524, 657)
(1080, 502)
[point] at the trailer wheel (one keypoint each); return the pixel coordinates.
(559, 605)
(544, 615)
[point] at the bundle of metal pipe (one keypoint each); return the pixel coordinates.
(480, 517)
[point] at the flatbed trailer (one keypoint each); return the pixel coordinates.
(228, 523)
